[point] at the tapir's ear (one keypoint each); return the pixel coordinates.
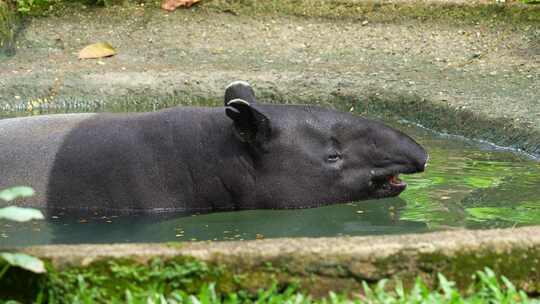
(251, 126)
(241, 90)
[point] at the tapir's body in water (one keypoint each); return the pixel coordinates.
(245, 155)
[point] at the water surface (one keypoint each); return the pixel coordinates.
(466, 185)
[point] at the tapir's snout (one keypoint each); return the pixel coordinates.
(419, 156)
(425, 163)
(422, 164)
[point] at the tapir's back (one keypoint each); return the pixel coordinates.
(28, 146)
(117, 162)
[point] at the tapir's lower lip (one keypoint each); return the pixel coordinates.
(394, 180)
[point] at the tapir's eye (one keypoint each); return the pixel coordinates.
(334, 157)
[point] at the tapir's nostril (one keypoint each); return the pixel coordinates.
(420, 162)
(423, 165)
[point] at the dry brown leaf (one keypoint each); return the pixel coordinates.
(171, 5)
(97, 50)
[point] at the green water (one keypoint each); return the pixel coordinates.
(466, 185)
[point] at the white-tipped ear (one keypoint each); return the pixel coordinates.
(238, 82)
(237, 101)
(250, 125)
(239, 90)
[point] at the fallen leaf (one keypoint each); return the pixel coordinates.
(97, 50)
(171, 5)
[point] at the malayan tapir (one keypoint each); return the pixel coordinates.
(244, 155)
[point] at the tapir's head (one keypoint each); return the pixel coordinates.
(307, 156)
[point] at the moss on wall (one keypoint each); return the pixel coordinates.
(7, 29)
(316, 265)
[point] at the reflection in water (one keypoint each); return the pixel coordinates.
(472, 186)
(466, 185)
(366, 218)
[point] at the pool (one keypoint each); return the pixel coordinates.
(468, 184)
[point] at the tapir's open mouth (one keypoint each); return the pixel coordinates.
(387, 185)
(394, 181)
(385, 182)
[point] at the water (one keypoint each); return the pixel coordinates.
(466, 185)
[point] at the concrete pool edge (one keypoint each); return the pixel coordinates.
(340, 264)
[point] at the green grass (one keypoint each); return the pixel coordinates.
(42, 7)
(488, 289)
(169, 286)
